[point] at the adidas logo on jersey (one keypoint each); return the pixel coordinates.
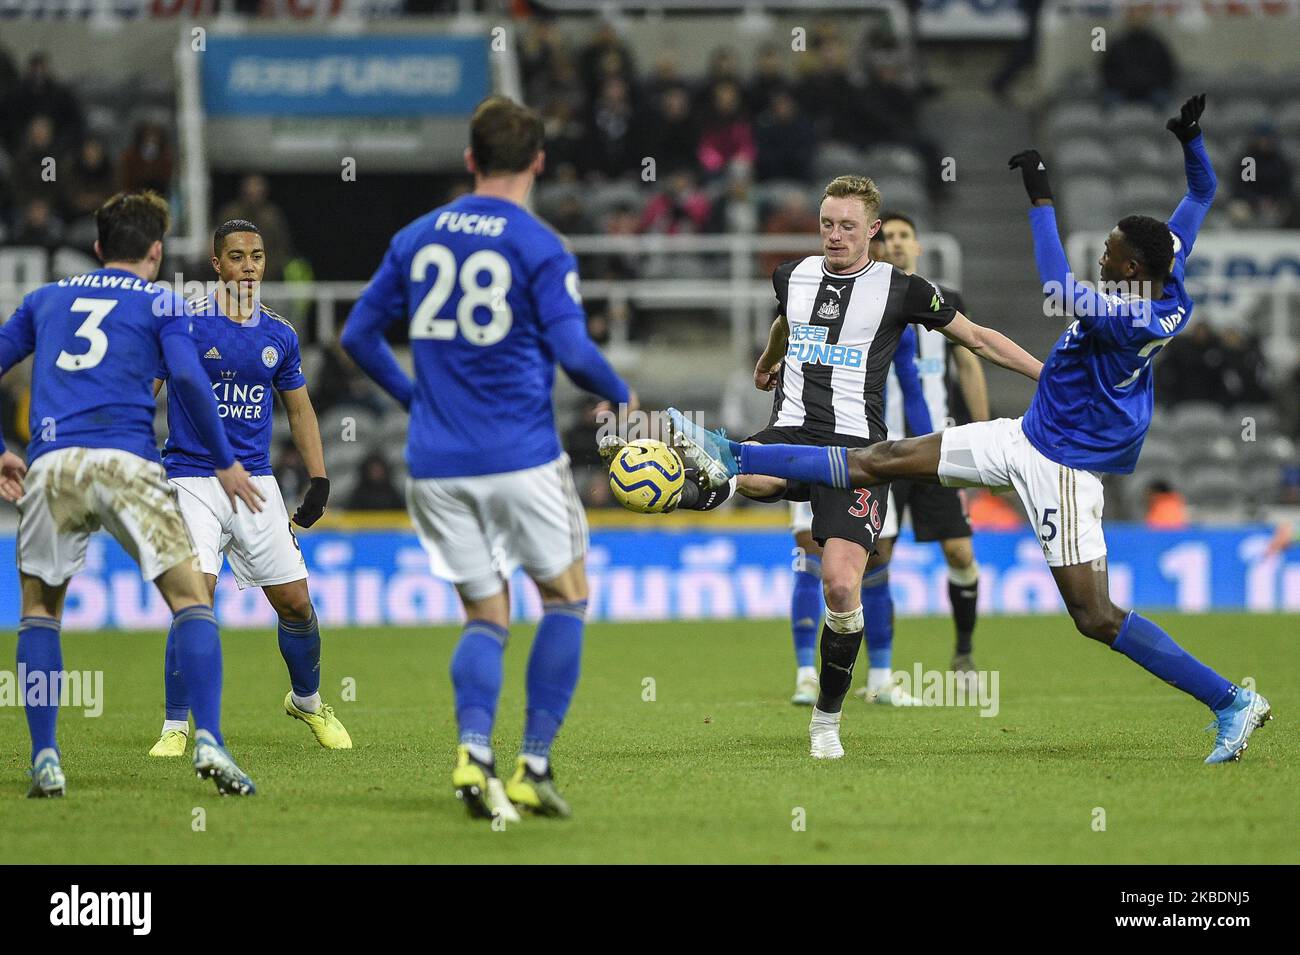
(213, 353)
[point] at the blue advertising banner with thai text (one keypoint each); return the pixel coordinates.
(381, 578)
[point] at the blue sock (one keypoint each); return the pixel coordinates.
(300, 647)
(806, 609)
(1151, 648)
(198, 651)
(813, 465)
(553, 667)
(176, 700)
(476, 675)
(40, 659)
(878, 609)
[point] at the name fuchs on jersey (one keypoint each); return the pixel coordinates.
(471, 223)
(843, 332)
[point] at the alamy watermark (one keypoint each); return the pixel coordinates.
(82, 689)
(977, 688)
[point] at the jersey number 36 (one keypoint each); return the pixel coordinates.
(425, 323)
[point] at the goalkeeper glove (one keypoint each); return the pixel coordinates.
(1034, 172)
(1187, 124)
(313, 503)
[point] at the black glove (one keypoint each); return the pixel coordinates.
(313, 503)
(1187, 124)
(1034, 171)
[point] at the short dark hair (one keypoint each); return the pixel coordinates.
(129, 223)
(891, 216)
(504, 136)
(227, 227)
(1151, 242)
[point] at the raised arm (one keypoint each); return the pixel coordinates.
(17, 336)
(1201, 181)
(992, 345)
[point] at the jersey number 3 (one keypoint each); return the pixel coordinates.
(97, 310)
(425, 323)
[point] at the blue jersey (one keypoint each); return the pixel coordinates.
(1096, 391)
(98, 339)
(244, 361)
(491, 297)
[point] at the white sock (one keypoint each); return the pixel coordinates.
(828, 719)
(879, 678)
(308, 704)
(537, 764)
(805, 673)
(182, 726)
(480, 752)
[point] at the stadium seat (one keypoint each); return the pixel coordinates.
(1160, 454)
(1148, 195)
(1212, 488)
(1196, 421)
(1088, 203)
(1287, 118)
(1238, 117)
(1143, 154)
(1081, 156)
(1132, 119)
(831, 159)
(1076, 120)
(893, 159)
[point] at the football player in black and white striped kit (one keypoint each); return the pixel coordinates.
(840, 316)
(952, 381)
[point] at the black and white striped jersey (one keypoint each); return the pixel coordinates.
(843, 332)
(936, 369)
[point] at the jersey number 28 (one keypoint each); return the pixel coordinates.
(425, 323)
(97, 310)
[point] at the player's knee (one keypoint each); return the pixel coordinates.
(841, 592)
(1097, 623)
(294, 604)
(958, 553)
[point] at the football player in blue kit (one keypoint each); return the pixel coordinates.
(92, 463)
(1088, 417)
(490, 299)
(249, 352)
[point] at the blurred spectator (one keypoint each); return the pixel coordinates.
(726, 135)
(566, 141)
(1264, 201)
(89, 180)
(255, 205)
(785, 140)
(736, 211)
(598, 327)
(664, 77)
(340, 382)
(375, 490)
(541, 50)
(723, 68)
(1166, 508)
(623, 219)
(681, 207)
(673, 135)
(611, 136)
(39, 94)
(1025, 51)
(580, 437)
(38, 225)
(148, 162)
(768, 80)
(792, 217)
(606, 56)
(991, 512)
(570, 217)
(1226, 368)
(830, 95)
(1138, 66)
(290, 470)
(32, 169)
(1245, 369)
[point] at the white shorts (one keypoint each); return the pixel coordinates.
(261, 547)
(478, 530)
(73, 492)
(890, 529)
(800, 516)
(1064, 504)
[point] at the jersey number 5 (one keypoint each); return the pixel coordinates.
(97, 310)
(425, 323)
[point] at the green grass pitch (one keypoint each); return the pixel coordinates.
(714, 769)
